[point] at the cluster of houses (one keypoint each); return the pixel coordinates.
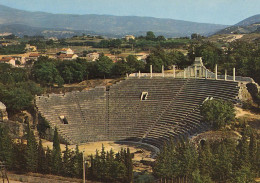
(63, 54)
(66, 54)
(18, 61)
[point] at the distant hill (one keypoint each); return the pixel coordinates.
(246, 26)
(253, 28)
(21, 30)
(102, 24)
(249, 21)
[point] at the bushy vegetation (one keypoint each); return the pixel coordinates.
(217, 113)
(221, 161)
(12, 49)
(16, 89)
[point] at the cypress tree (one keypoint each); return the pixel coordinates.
(109, 161)
(42, 163)
(6, 148)
(78, 162)
(56, 154)
(257, 163)
(56, 141)
(205, 159)
(222, 164)
(48, 160)
(19, 150)
(31, 154)
(103, 167)
(129, 166)
(67, 162)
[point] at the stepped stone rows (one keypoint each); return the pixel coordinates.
(171, 110)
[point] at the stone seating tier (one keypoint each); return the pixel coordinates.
(172, 109)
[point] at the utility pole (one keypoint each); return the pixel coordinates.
(3, 172)
(84, 178)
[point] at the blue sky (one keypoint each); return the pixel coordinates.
(208, 11)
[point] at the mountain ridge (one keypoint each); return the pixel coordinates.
(106, 24)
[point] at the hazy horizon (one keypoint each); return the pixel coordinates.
(226, 12)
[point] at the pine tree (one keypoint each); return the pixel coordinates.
(103, 167)
(67, 162)
(6, 148)
(109, 162)
(42, 163)
(222, 164)
(19, 154)
(129, 166)
(257, 163)
(56, 141)
(31, 154)
(48, 160)
(205, 159)
(78, 162)
(56, 154)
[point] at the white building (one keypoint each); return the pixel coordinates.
(67, 51)
(8, 60)
(92, 56)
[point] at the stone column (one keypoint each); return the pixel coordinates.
(184, 73)
(225, 74)
(234, 74)
(206, 74)
(139, 74)
(173, 71)
(216, 72)
(151, 71)
(195, 71)
(162, 70)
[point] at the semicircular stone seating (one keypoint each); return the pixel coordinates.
(171, 109)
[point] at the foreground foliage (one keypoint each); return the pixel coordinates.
(31, 157)
(221, 161)
(111, 167)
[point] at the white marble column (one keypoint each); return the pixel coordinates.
(162, 70)
(216, 72)
(173, 71)
(151, 71)
(195, 71)
(234, 74)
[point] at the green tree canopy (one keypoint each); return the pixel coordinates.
(44, 71)
(217, 113)
(150, 36)
(104, 66)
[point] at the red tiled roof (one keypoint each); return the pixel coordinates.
(6, 59)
